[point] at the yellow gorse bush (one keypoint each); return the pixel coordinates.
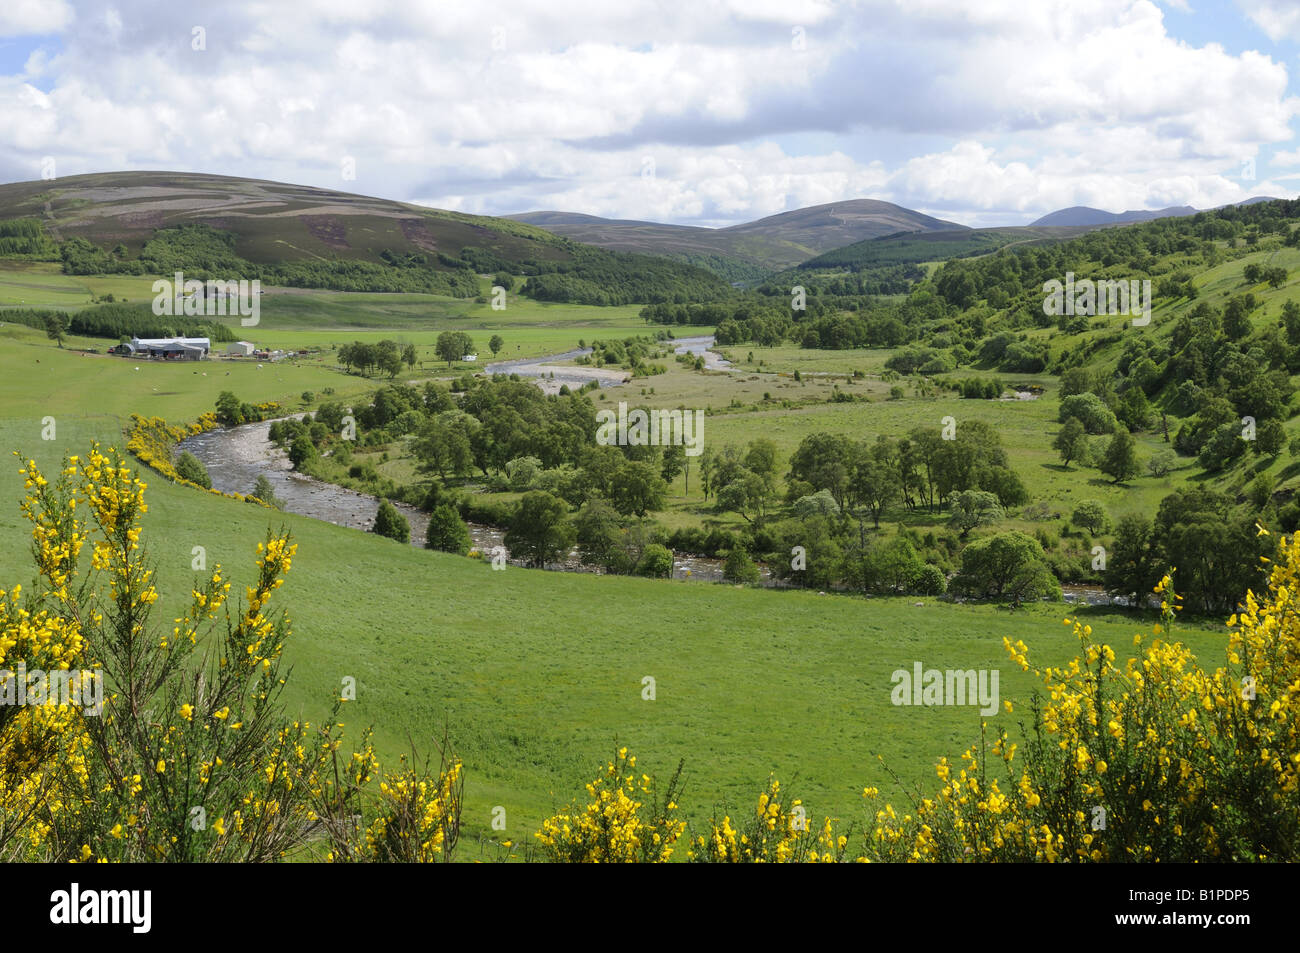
(190, 758)
(772, 834)
(1157, 759)
(613, 827)
(419, 817)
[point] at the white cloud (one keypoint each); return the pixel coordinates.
(1277, 18)
(34, 17)
(499, 107)
(1285, 159)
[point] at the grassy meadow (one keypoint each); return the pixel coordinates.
(533, 675)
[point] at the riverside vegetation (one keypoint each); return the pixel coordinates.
(1184, 764)
(828, 462)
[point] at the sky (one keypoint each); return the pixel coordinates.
(700, 112)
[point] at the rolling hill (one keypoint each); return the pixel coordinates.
(775, 242)
(273, 221)
(1086, 215)
(302, 236)
(916, 247)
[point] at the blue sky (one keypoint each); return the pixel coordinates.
(984, 112)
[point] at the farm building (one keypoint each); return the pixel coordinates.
(241, 348)
(168, 349)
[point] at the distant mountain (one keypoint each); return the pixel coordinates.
(273, 221)
(775, 242)
(916, 247)
(1253, 201)
(1085, 215)
(312, 237)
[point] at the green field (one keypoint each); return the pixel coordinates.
(535, 674)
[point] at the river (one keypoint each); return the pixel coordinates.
(236, 456)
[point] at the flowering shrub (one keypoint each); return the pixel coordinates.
(771, 835)
(612, 828)
(190, 757)
(1157, 759)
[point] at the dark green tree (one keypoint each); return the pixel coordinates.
(540, 531)
(1120, 462)
(390, 523)
(447, 532)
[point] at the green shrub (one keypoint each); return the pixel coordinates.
(188, 467)
(390, 523)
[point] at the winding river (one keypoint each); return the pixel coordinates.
(236, 456)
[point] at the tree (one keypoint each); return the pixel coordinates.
(1132, 564)
(1120, 461)
(874, 484)
(1270, 438)
(820, 503)
(453, 345)
(972, 508)
(1134, 409)
(738, 567)
(1005, 484)
(656, 561)
(1162, 463)
(597, 531)
(229, 409)
(1214, 546)
(745, 493)
(409, 356)
(388, 358)
(674, 461)
(1075, 380)
(540, 530)
(1007, 565)
(189, 467)
(1091, 411)
(264, 491)
(447, 532)
(444, 443)
(761, 457)
(888, 568)
(390, 523)
(637, 488)
(496, 342)
(302, 451)
(1260, 491)
(825, 461)
(1090, 515)
(56, 327)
